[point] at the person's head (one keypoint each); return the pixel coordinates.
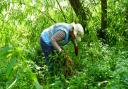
(78, 30)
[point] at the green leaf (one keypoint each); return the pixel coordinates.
(37, 85)
(4, 51)
(10, 67)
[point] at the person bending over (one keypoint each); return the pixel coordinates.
(58, 35)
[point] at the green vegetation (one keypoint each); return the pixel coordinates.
(98, 65)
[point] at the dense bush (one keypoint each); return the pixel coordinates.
(97, 66)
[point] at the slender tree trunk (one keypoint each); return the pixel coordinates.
(79, 10)
(103, 31)
(104, 14)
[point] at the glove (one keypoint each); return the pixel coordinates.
(76, 50)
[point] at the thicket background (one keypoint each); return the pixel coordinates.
(98, 65)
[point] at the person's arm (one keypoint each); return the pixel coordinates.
(74, 42)
(57, 37)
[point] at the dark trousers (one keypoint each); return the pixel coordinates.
(47, 50)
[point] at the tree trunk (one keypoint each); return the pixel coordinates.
(104, 14)
(103, 31)
(79, 10)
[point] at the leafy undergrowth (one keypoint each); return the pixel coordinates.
(98, 66)
(103, 67)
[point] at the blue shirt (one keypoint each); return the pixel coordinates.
(49, 32)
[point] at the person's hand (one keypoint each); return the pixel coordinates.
(60, 50)
(76, 50)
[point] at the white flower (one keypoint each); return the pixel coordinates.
(43, 9)
(23, 7)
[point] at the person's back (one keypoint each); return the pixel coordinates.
(52, 30)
